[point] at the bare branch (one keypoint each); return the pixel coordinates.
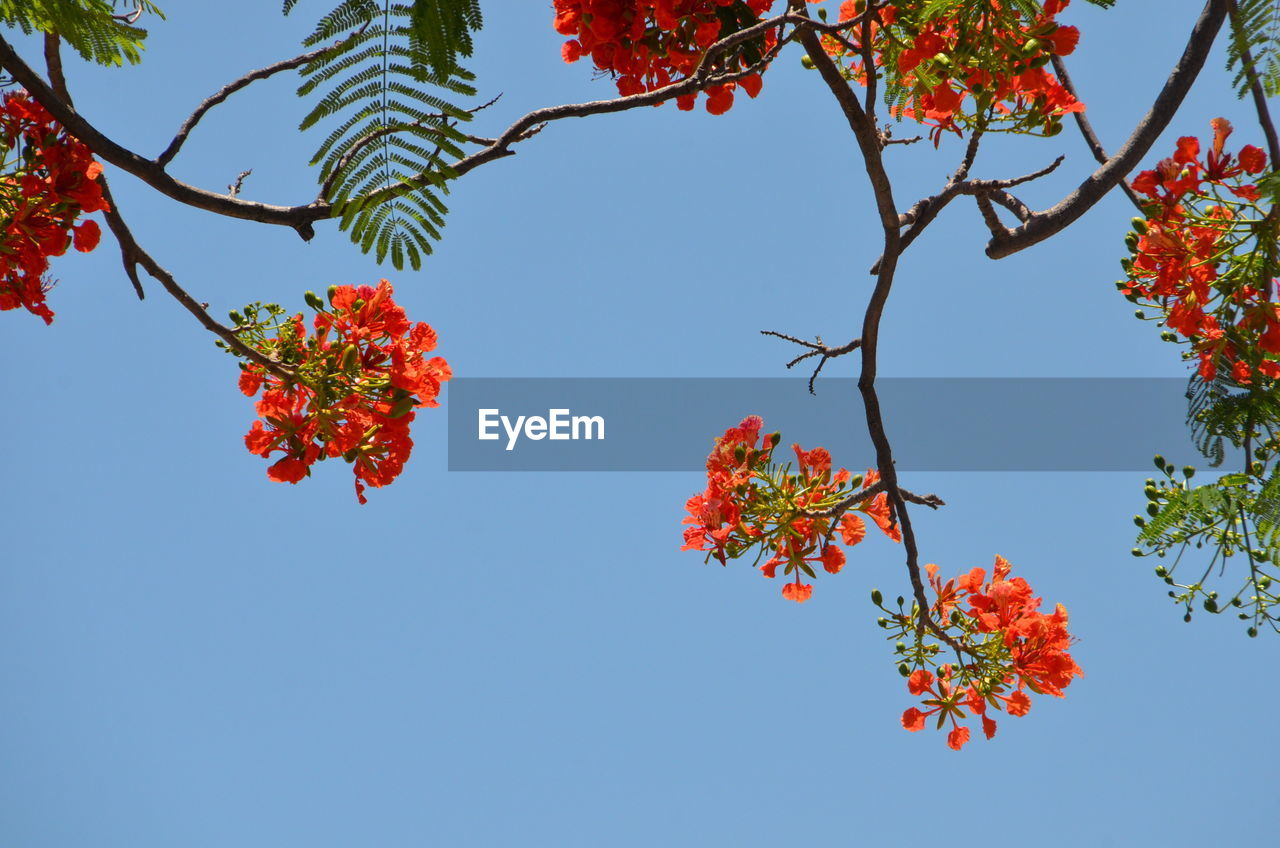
(816, 348)
(1086, 128)
(236, 85)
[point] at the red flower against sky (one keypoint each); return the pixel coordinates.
(50, 182)
(1010, 649)
(966, 62)
(357, 382)
(648, 44)
(753, 504)
(1194, 256)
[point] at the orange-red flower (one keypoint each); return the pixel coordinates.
(51, 182)
(358, 380)
(1009, 648)
(752, 503)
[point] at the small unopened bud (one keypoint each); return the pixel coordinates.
(904, 670)
(1140, 226)
(1136, 552)
(1140, 521)
(774, 438)
(1161, 571)
(236, 317)
(1210, 605)
(1153, 509)
(856, 481)
(740, 453)
(331, 293)
(806, 62)
(876, 597)
(1158, 459)
(1131, 242)
(1253, 632)
(350, 358)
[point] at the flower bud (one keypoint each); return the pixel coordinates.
(1131, 242)
(236, 317)
(1140, 521)
(1153, 509)
(1136, 552)
(904, 670)
(1140, 226)
(331, 293)
(882, 621)
(856, 481)
(1187, 618)
(1210, 605)
(1158, 459)
(313, 300)
(350, 358)
(806, 62)
(774, 438)
(900, 647)
(401, 407)
(1253, 632)
(1161, 571)
(740, 453)
(876, 597)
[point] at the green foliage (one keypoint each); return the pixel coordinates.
(1255, 29)
(385, 165)
(1236, 515)
(97, 29)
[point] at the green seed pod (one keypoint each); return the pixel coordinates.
(350, 358)
(876, 597)
(1140, 225)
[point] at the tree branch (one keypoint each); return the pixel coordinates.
(232, 87)
(1042, 225)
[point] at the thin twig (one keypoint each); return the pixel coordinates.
(232, 87)
(1086, 128)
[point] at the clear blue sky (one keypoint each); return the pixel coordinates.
(194, 656)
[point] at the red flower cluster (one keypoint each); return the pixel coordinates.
(356, 383)
(1011, 647)
(51, 182)
(751, 503)
(648, 44)
(1193, 256)
(990, 51)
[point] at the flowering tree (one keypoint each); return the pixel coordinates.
(383, 78)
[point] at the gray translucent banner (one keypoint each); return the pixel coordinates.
(935, 424)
